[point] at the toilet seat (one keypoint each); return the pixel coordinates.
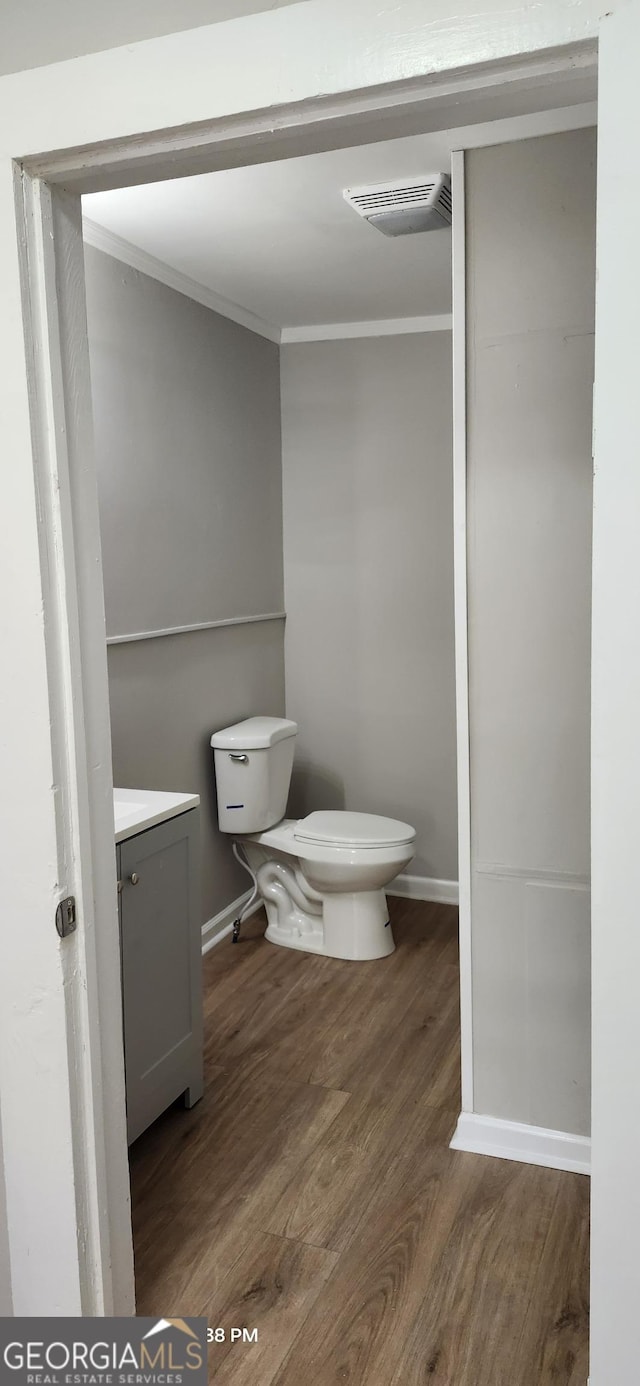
(341, 828)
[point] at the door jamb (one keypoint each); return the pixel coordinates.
(459, 276)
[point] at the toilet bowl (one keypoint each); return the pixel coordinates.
(322, 877)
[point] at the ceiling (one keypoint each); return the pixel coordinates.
(279, 240)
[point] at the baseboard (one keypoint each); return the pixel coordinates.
(425, 888)
(217, 928)
(409, 887)
(532, 1145)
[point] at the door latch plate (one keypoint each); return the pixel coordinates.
(66, 922)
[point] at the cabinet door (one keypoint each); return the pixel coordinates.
(161, 969)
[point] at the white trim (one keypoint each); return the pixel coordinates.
(119, 249)
(531, 1145)
(221, 925)
(524, 127)
(200, 625)
(383, 327)
(461, 627)
(116, 246)
(345, 72)
(71, 1063)
(424, 888)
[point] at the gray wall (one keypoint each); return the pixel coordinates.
(531, 279)
(167, 696)
(366, 428)
(187, 425)
(187, 422)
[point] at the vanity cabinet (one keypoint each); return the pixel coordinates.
(161, 955)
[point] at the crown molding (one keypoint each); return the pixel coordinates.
(116, 246)
(120, 249)
(382, 327)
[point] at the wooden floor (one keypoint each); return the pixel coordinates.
(312, 1194)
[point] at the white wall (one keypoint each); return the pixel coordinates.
(367, 482)
(530, 285)
(187, 429)
(35, 32)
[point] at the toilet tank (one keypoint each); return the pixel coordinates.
(253, 763)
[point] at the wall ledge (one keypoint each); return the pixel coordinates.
(531, 1145)
(199, 625)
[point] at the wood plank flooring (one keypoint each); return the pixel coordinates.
(312, 1194)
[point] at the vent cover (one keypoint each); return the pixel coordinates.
(405, 205)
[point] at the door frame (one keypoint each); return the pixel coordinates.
(77, 1228)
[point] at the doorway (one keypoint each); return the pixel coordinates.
(347, 360)
(104, 823)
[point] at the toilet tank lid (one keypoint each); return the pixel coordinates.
(345, 829)
(254, 734)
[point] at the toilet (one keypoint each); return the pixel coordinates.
(322, 878)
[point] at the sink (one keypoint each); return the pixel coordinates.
(125, 810)
(135, 810)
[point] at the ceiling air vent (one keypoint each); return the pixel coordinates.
(405, 205)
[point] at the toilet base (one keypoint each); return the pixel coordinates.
(357, 926)
(353, 927)
(307, 942)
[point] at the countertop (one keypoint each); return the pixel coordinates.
(137, 809)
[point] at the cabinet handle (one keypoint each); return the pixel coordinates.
(134, 878)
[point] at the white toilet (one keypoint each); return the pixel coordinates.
(321, 878)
